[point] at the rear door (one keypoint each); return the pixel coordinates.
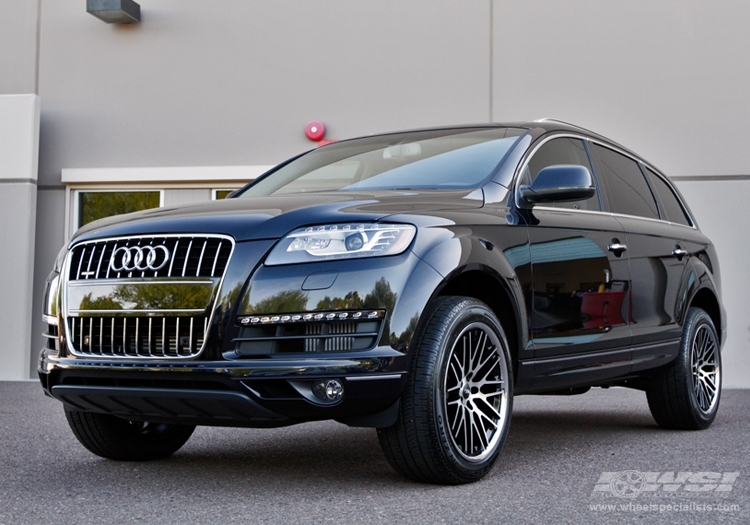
(657, 258)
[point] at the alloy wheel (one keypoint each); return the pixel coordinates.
(476, 400)
(705, 369)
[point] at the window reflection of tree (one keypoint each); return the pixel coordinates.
(285, 301)
(151, 297)
(93, 205)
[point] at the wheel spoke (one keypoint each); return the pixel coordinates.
(475, 398)
(490, 355)
(494, 412)
(703, 365)
(460, 419)
(458, 363)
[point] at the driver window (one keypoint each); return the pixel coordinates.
(563, 151)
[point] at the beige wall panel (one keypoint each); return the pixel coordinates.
(669, 79)
(234, 82)
(18, 46)
(177, 197)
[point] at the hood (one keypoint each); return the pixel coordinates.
(274, 216)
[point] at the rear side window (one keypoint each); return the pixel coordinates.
(627, 190)
(563, 151)
(670, 206)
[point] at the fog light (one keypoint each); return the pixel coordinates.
(328, 390)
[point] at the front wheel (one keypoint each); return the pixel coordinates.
(686, 394)
(116, 438)
(455, 411)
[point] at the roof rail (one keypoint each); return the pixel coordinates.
(567, 124)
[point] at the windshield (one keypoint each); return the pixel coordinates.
(439, 159)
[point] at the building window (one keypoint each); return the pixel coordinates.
(220, 194)
(98, 204)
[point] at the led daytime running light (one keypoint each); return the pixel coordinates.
(311, 317)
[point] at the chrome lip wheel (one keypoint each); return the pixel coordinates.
(475, 399)
(705, 369)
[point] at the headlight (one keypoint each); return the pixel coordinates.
(341, 241)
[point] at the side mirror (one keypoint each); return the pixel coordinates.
(558, 183)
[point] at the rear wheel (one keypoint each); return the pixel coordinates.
(455, 411)
(686, 394)
(116, 438)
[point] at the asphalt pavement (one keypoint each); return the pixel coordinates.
(593, 458)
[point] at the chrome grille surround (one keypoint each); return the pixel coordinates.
(135, 328)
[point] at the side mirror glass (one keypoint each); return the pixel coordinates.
(560, 183)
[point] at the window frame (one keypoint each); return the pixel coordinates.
(685, 210)
(607, 190)
(215, 191)
(602, 189)
(523, 165)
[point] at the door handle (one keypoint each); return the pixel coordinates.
(617, 247)
(679, 252)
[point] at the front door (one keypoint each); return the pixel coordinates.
(580, 283)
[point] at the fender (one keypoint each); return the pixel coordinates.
(699, 287)
(471, 264)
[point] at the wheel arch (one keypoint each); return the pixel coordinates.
(706, 300)
(484, 284)
(701, 290)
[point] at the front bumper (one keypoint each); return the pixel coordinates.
(247, 374)
(250, 393)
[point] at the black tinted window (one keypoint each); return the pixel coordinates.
(627, 190)
(563, 151)
(670, 206)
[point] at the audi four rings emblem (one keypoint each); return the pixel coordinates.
(139, 258)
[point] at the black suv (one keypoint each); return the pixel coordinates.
(413, 282)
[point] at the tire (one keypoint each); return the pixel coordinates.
(451, 426)
(686, 394)
(119, 439)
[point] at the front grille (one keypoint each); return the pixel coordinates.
(189, 256)
(137, 336)
(277, 334)
(160, 329)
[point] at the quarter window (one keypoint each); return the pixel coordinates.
(669, 205)
(627, 190)
(563, 151)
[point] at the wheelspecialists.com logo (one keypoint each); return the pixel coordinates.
(632, 483)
